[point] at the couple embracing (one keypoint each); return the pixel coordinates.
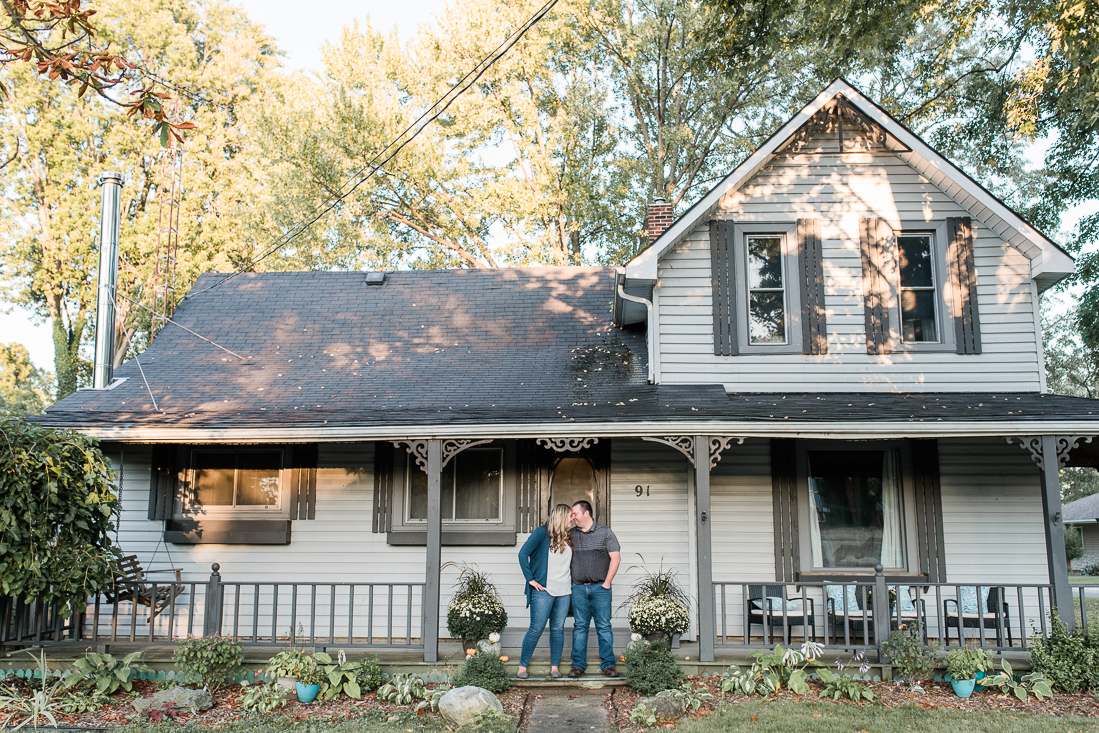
(571, 558)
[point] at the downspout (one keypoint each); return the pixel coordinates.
(103, 365)
(650, 320)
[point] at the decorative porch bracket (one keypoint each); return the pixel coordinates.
(452, 448)
(566, 445)
(685, 444)
(1056, 449)
(418, 449)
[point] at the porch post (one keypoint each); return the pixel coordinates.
(706, 611)
(430, 631)
(1055, 531)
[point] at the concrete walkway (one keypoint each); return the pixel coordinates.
(569, 710)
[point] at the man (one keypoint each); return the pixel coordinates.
(596, 556)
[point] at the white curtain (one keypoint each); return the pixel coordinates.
(892, 554)
(814, 525)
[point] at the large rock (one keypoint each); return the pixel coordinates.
(176, 698)
(667, 708)
(462, 704)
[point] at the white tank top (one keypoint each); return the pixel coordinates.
(559, 574)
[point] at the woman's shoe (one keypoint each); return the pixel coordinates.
(521, 675)
(555, 674)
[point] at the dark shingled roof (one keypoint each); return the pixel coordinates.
(452, 347)
(1082, 510)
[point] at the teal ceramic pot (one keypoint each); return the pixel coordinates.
(963, 688)
(308, 693)
(978, 687)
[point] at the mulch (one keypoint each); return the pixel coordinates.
(620, 701)
(120, 710)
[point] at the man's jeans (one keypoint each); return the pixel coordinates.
(543, 606)
(588, 601)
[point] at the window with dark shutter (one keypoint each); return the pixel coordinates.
(723, 285)
(963, 282)
(811, 264)
(164, 480)
(875, 236)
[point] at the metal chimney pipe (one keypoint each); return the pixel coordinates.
(109, 215)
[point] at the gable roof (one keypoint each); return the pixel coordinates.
(1081, 511)
(1049, 263)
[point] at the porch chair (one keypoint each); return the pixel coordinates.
(131, 583)
(996, 614)
(853, 618)
(765, 608)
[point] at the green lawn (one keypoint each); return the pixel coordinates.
(367, 722)
(790, 717)
(1083, 580)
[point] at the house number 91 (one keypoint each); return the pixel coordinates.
(641, 490)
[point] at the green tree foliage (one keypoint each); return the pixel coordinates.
(24, 388)
(56, 143)
(57, 510)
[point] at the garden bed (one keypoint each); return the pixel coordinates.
(937, 695)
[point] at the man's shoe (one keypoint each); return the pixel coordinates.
(576, 672)
(610, 672)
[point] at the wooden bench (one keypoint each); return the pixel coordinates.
(132, 584)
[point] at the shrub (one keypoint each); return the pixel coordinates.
(105, 672)
(652, 668)
(659, 613)
(483, 670)
(1068, 660)
(913, 660)
(964, 664)
(1092, 569)
(290, 663)
(213, 659)
(1074, 543)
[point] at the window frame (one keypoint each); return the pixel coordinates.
(907, 500)
(944, 319)
(402, 531)
(406, 501)
(188, 509)
(787, 232)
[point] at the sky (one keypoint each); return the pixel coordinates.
(300, 36)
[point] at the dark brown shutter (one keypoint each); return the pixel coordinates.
(163, 481)
(301, 465)
(723, 285)
(814, 329)
(929, 514)
(784, 493)
(532, 465)
(874, 235)
(963, 285)
(383, 486)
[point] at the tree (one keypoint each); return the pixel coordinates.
(57, 512)
(56, 144)
(24, 388)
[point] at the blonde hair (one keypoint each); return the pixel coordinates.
(558, 526)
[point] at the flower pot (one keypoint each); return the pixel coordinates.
(963, 688)
(978, 687)
(655, 636)
(307, 693)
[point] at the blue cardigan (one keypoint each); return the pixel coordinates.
(534, 559)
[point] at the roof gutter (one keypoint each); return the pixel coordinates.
(650, 339)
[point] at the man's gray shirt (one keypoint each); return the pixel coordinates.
(591, 560)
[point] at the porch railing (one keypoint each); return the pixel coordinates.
(351, 614)
(999, 616)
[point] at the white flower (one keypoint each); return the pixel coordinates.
(494, 637)
(812, 649)
(635, 637)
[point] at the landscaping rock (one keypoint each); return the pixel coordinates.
(667, 708)
(462, 704)
(177, 698)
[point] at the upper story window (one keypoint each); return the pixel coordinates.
(235, 480)
(766, 289)
(919, 294)
(472, 488)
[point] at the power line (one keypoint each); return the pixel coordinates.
(378, 161)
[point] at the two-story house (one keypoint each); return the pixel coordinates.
(827, 372)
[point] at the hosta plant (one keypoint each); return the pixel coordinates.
(789, 668)
(837, 686)
(106, 673)
(691, 697)
(1034, 683)
(262, 697)
(403, 689)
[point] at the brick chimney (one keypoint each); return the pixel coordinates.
(658, 218)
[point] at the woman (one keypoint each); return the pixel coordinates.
(545, 559)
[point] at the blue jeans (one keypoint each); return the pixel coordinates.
(588, 601)
(543, 606)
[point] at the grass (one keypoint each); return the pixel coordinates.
(791, 717)
(373, 721)
(1093, 609)
(1083, 580)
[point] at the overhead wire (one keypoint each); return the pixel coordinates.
(397, 144)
